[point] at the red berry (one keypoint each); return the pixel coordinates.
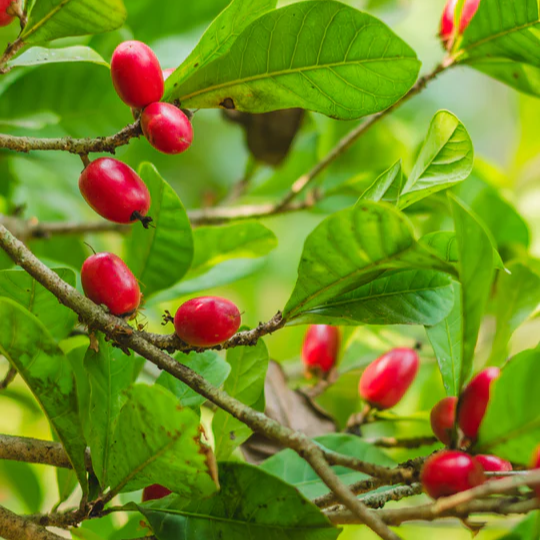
(136, 74)
(107, 280)
(449, 472)
(535, 465)
(167, 128)
(206, 321)
(447, 21)
(474, 401)
(494, 464)
(385, 381)
(443, 418)
(115, 191)
(5, 17)
(155, 491)
(321, 346)
(168, 72)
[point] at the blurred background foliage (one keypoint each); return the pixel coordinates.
(79, 100)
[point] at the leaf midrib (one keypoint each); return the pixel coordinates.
(42, 21)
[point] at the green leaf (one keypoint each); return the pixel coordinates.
(421, 297)
(28, 346)
(53, 19)
(160, 255)
(208, 364)
(215, 245)
(511, 426)
(294, 470)
(220, 36)
(251, 504)
(246, 383)
(322, 56)
(446, 158)
(156, 441)
(518, 295)
(36, 56)
(110, 373)
(528, 529)
(20, 480)
(353, 247)
(26, 291)
(503, 41)
(443, 243)
(386, 187)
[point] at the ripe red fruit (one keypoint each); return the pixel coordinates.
(494, 464)
(447, 21)
(136, 74)
(474, 401)
(155, 491)
(167, 128)
(5, 17)
(168, 72)
(107, 280)
(535, 465)
(321, 346)
(443, 417)
(206, 321)
(385, 381)
(449, 472)
(115, 191)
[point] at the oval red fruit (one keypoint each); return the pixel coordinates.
(385, 381)
(107, 280)
(535, 465)
(449, 472)
(474, 401)
(494, 464)
(468, 11)
(136, 74)
(5, 17)
(321, 347)
(443, 418)
(206, 321)
(167, 128)
(155, 491)
(115, 191)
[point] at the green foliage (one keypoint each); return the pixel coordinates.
(248, 504)
(322, 56)
(40, 55)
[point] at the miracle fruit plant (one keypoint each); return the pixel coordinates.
(417, 248)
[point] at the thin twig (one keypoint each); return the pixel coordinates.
(413, 442)
(9, 378)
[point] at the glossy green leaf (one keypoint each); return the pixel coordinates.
(291, 468)
(353, 247)
(26, 291)
(220, 36)
(28, 346)
(208, 364)
(53, 19)
(245, 383)
(443, 243)
(215, 245)
(386, 187)
(503, 41)
(40, 55)
(421, 297)
(322, 56)
(160, 255)
(250, 504)
(511, 426)
(517, 297)
(110, 373)
(446, 158)
(156, 441)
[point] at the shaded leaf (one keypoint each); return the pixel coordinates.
(386, 187)
(41, 55)
(22, 481)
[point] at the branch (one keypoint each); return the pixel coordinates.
(8, 379)
(14, 527)
(413, 442)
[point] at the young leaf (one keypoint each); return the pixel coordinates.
(110, 373)
(156, 441)
(291, 468)
(220, 36)
(29, 347)
(446, 158)
(26, 291)
(511, 427)
(353, 247)
(386, 187)
(321, 55)
(245, 383)
(53, 19)
(251, 504)
(208, 364)
(421, 297)
(161, 255)
(36, 56)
